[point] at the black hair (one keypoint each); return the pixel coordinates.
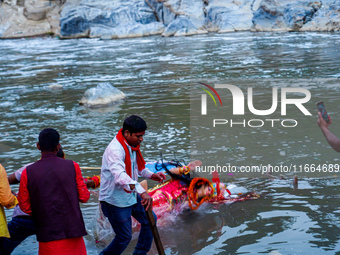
(134, 124)
(48, 139)
(185, 179)
(181, 177)
(61, 153)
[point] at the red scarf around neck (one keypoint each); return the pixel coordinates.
(127, 161)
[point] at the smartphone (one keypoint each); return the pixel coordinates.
(321, 107)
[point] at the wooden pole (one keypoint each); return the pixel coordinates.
(154, 231)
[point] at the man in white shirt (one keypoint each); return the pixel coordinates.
(120, 194)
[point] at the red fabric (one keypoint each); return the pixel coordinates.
(215, 176)
(83, 192)
(96, 181)
(69, 246)
(23, 196)
(171, 193)
(218, 190)
(127, 161)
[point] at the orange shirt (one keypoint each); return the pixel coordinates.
(7, 199)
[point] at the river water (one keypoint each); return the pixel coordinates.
(159, 76)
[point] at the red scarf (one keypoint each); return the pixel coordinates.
(127, 161)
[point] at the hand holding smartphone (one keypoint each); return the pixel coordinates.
(322, 109)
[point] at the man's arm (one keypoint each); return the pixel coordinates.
(153, 176)
(83, 192)
(15, 177)
(116, 165)
(12, 179)
(92, 182)
(332, 139)
(115, 162)
(146, 198)
(23, 196)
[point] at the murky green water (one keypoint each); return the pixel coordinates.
(159, 76)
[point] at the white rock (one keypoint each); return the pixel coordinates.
(103, 95)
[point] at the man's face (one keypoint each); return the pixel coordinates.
(134, 139)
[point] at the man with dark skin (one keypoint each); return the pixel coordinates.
(121, 196)
(22, 226)
(50, 191)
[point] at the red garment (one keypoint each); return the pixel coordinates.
(24, 198)
(69, 246)
(172, 193)
(127, 160)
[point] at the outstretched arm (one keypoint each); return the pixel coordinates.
(12, 179)
(186, 169)
(332, 139)
(15, 177)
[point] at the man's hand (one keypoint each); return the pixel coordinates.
(146, 200)
(158, 177)
(332, 139)
(90, 184)
(321, 122)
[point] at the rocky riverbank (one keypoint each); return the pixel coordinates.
(111, 19)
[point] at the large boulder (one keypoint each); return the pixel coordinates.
(327, 18)
(115, 19)
(229, 15)
(182, 26)
(111, 19)
(28, 18)
(181, 17)
(103, 95)
(289, 15)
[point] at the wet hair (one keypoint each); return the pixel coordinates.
(48, 139)
(134, 124)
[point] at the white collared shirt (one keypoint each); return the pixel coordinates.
(114, 180)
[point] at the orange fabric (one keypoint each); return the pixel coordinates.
(69, 246)
(192, 196)
(127, 161)
(7, 199)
